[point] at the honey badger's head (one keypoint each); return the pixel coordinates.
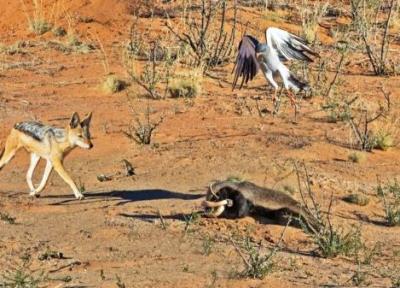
(224, 198)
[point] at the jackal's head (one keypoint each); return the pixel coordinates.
(78, 131)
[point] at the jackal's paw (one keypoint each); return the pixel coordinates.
(79, 197)
(34, 194)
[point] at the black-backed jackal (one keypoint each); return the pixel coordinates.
(49, 143)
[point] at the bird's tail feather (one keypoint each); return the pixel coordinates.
(303, 45)
(297, 84)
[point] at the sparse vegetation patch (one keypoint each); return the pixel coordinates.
(357, 199)
(258, 264)
(37, 21)
(186, 88)
(390, 196)
(356, 157)
(208, 244)
(330, 240)
(207, 33)
(371, 21)
(7, 218)
(383, 140)
(142, 131)
(59, 31)
(39, 26)
(112, 84)
(21, 277)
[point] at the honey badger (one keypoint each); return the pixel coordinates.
(239, 199)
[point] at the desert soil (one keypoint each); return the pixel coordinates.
(116, 231)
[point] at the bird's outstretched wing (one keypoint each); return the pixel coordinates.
(288, 46)
(246, 65)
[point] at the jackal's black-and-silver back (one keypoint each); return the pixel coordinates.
(38, 131)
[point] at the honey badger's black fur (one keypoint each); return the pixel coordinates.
(241, 206)
(250, 199)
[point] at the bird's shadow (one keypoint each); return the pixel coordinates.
(128, 196)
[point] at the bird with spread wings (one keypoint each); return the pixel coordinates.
(281, 46)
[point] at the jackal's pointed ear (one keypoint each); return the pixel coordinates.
(74, 121)
(86, 121)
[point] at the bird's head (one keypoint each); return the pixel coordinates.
(262, 47)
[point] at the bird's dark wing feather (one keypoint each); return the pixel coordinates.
(246, 65)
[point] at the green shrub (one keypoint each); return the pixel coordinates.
(383, 141)
(333, 241)
(390, 195)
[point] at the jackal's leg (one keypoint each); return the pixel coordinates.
(58, 166)
(46, 174)
(34, 161)
(9, 150)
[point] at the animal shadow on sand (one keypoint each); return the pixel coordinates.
(151, 218)
(128, 196)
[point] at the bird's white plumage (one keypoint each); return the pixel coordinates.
(275, 37)
(280, 40)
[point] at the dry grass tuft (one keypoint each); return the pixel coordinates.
(356, 157)
(357, 199)
(186, 88)
(37, 22)
(112, 84)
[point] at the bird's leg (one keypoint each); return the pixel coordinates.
(274, 96)
(276, 101)
(291, 97)
(294, 103)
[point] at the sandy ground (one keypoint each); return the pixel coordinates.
(116, 232)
